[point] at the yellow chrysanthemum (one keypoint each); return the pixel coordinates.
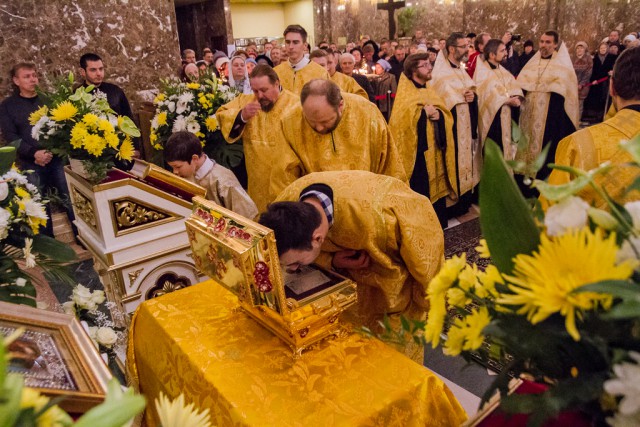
(105, 126)
(161, 118)
(54, 416)
(436, 295)
(488, 279)
(466, 332)
(483, 249)
(468, 278)
(543, 283)
(94, 145)
(159, 98)
(90, 120)
(112, 139)
(211, 123)
(64, 111)
(22, 193)
(38, 114)
(193, 85)
(153, 137)
(457, 297)
(78, 133)
(126, 150)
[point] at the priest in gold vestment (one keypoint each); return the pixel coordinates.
(422, 128)
(256, 118)
(590, 147)
(332, 130)
(551, 110)
(499, 98)
(298, 70)
(385, 236)
(452, 83)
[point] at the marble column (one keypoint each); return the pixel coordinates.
(205, 24)
(137, 39)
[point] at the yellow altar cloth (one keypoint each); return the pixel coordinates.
(198, 342)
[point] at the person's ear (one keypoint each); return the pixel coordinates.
(317, 238)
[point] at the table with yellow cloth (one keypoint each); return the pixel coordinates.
(198, 342)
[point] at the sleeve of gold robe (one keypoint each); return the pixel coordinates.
(576, 150)
(226, 116)
(286, 169)
(389, 161)
(356, 89)
(421, 242)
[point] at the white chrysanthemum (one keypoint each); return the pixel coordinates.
(634, 210)
(626, 383)
(35, 194)
(5, 221)
(34, 209)
(183, 102)
(4, 190)
(193, 126)
(177, 413)
(30, 258)
(154, 122)
(569, 214)
(15, 176)
(179, 124)
(171, 106)
(630, 249)
(35, 131)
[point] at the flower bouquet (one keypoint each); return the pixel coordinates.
(22, 213)
(81, 126)
(191, 107)
(560, 303)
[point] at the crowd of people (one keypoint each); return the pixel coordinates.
(357, 159)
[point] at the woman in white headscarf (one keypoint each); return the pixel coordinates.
(238, 77)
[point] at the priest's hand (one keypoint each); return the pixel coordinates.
(432, 112)
(250, 110)
(514, 101)
(468, 96)
(351, 260)
(42, 157)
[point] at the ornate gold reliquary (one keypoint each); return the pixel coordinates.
(301, 308)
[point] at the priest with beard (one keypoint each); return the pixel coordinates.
(499, 98)
(422, 127)
(551, 109)
(457, 89)
(331, 130)
(256, 119)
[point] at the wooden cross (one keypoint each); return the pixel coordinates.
(391, 7)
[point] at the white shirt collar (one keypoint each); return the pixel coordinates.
(205, 168)
(301, 64)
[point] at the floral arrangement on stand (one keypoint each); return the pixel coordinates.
(80, 125)
(560, 303)
(191, 107)
(22, 246)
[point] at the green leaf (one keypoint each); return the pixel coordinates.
(127, 126)
(602, 218)
(635, 185)
(516, 133)
(559, 192)
(117, 409)
(506, 221)
(541, 159)
(617, 288)
(633, 147)
(11, 394)
(624, 310)
(53, 248)
(7, 157)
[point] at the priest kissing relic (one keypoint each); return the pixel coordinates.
(301, 308)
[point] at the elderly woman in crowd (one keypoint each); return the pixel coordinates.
(384, 84)
(594, 104)
(583, 65)
(238, 77)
